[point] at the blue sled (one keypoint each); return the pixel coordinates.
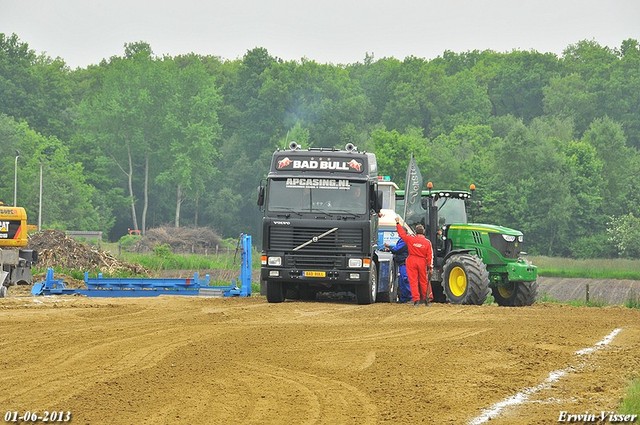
(152, 287)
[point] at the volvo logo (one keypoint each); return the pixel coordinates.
(315, 239)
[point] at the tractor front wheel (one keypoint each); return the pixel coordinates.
(515, 294)
(465, 280)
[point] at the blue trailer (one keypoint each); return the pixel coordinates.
(152, 287)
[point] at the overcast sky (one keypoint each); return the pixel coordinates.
(83, 32)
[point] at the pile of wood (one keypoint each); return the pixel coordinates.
(56, 249)
(181, 240)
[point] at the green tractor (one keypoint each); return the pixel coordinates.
(472, 259)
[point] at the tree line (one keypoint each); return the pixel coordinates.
(140, 140)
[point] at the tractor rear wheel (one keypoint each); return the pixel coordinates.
(515, 294)
(275, 292)
(366, 294)
(465, 280)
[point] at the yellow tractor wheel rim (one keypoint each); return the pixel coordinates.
(458, 281)
(506, 291)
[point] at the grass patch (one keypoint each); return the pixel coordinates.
(546, 298)
(163, 260)
(591, 303)
(79, 274)
(631, 402)
(616, 268)
(633, 301)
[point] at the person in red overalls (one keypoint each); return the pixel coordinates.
(419, 261)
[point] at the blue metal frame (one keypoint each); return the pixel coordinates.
(152, 287)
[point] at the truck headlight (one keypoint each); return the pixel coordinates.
(355, 262)
(275, 261)
(520, 238)
(509, 238)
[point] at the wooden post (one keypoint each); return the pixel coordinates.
(587, 293)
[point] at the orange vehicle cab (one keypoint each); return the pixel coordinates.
(13, 227)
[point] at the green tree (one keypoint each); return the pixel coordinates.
(529, 189)
(608, 139)
(34, 88)
(66, 197)
(125, 115)
(569, 97)
(624, 232)
(393, 152)
(621, 93)
(190, 132)
(516, 86)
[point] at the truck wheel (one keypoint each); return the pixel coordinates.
(392, 295)
(366, 294)
(515, 294)
(465, 280)
(275, 292)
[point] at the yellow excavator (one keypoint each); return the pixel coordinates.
(15, 260)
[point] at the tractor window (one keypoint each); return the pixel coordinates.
(451, 210)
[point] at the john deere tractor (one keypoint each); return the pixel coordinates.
(472, 259)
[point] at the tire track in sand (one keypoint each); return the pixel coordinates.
(305, 398)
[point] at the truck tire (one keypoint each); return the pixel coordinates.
(515, 294)
(465, 280)
(275, 292)
(392, 295)
(366, 294)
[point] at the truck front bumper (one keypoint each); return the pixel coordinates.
(325, 278)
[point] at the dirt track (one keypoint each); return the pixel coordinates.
(178, 360)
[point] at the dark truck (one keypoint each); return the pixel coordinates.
(320, 226)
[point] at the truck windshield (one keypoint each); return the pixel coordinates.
(317, 195)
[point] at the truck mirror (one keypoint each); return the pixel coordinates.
(260, 196)
(378, 201)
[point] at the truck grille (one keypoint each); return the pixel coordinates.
(313, 261)
(339, 241)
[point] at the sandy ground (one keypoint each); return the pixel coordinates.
(196, 360)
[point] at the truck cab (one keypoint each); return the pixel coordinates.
(320, 224)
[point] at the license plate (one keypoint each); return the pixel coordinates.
(314, 274)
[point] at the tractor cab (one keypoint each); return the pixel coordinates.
(442, 209)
